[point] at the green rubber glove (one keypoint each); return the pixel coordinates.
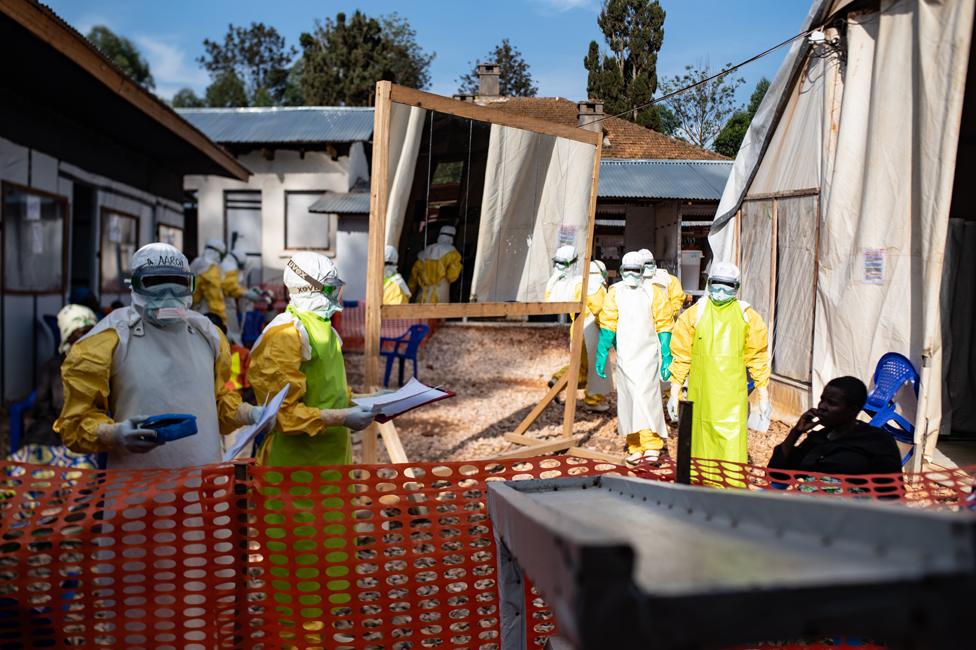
(607, 340)
(665, 339)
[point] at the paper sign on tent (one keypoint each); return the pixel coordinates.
(410, 396)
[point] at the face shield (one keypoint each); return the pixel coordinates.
(162, 293)
(722, 290)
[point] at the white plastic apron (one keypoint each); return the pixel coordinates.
(166, 370)
(639, 404)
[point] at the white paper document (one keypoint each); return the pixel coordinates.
(246, 435)
(410, 396)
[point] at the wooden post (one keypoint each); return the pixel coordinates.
(378, 198)
(391, 440)
(683, 461)
(369, 444)
(541, 406)
(576, 347)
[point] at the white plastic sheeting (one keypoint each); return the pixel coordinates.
(885, 181)
(757, 255)
(536, 198)
(406, 131)
(796, 232)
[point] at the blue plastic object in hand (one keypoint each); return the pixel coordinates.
(171, 426)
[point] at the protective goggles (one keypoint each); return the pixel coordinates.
(564, 264)
(723, 282)
(631, 269)
(157, 280)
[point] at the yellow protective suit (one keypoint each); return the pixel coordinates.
(436, 268)
(676, 295)
(87, 377)
(595, 387)
(230, 285)
(208, 297)
(395, 290)
(713, 345)
(640, 413)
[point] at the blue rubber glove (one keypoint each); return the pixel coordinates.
(665, 339)
(607, 340)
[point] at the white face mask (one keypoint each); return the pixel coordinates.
(649, 270)
(445, 239)
(318, 303)
(631, 278)
(166, 309)
(720, 293)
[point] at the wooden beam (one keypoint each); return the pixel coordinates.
(519, 439)
(541, 406)
(477, 309)
(576, 347)
(391, 440)
(788, 194)
(583, 452)
(378, 196)
(369, 444)
(412, 97)
(548, 447)
(47, 27)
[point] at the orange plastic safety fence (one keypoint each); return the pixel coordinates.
(390, 557)
(351, 326)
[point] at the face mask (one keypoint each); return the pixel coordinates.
(317, 302)
(389, 270)
(166, 307)
(720, 293)
(649, 270)
(631, 278)
(445, 239)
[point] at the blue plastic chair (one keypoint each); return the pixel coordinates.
(892, 372)
(251, 329)
(16, 414)
(403, 348)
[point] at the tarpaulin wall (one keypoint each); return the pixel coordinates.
(885, 111)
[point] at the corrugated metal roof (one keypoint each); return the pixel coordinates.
(342, 203)
(663, 179)
(282, 124)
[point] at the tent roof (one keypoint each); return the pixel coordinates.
(283, 125)
(663, 179)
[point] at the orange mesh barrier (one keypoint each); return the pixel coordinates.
(390, 557)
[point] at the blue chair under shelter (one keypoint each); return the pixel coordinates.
(890, 375)
(403, 348)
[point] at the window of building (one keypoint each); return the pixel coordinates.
(306, 230)
(171, 235)
(119, 240)
(33, 240)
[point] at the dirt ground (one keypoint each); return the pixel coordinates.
(499, 373)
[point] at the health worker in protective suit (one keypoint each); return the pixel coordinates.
(652, 272)
(300, 348)
(208, 296)
(566, 285)
(395, 290)
(437, 267)
(715, 341)
(637, 320)
(232, 286)
(155, 357)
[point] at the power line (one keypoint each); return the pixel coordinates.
(721, 73)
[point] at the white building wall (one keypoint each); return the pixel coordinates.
(27, 343)
(288, 171)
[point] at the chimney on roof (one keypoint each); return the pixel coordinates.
(488, 75)
(465, 97)
(588, 114)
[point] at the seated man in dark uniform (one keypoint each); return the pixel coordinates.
(842, 444)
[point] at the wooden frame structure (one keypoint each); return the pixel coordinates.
(387, 94)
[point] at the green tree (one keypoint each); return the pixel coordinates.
(701, 110)
(186, 98)
(123, 54)
(342, 59)
(626, 76)
(730, 138)
(226, 91)
(515, 79)
(256, 56)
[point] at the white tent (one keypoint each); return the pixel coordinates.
(838, 204)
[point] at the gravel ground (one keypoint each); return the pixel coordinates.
(499, 373)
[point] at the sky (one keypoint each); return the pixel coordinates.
(553, 35)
